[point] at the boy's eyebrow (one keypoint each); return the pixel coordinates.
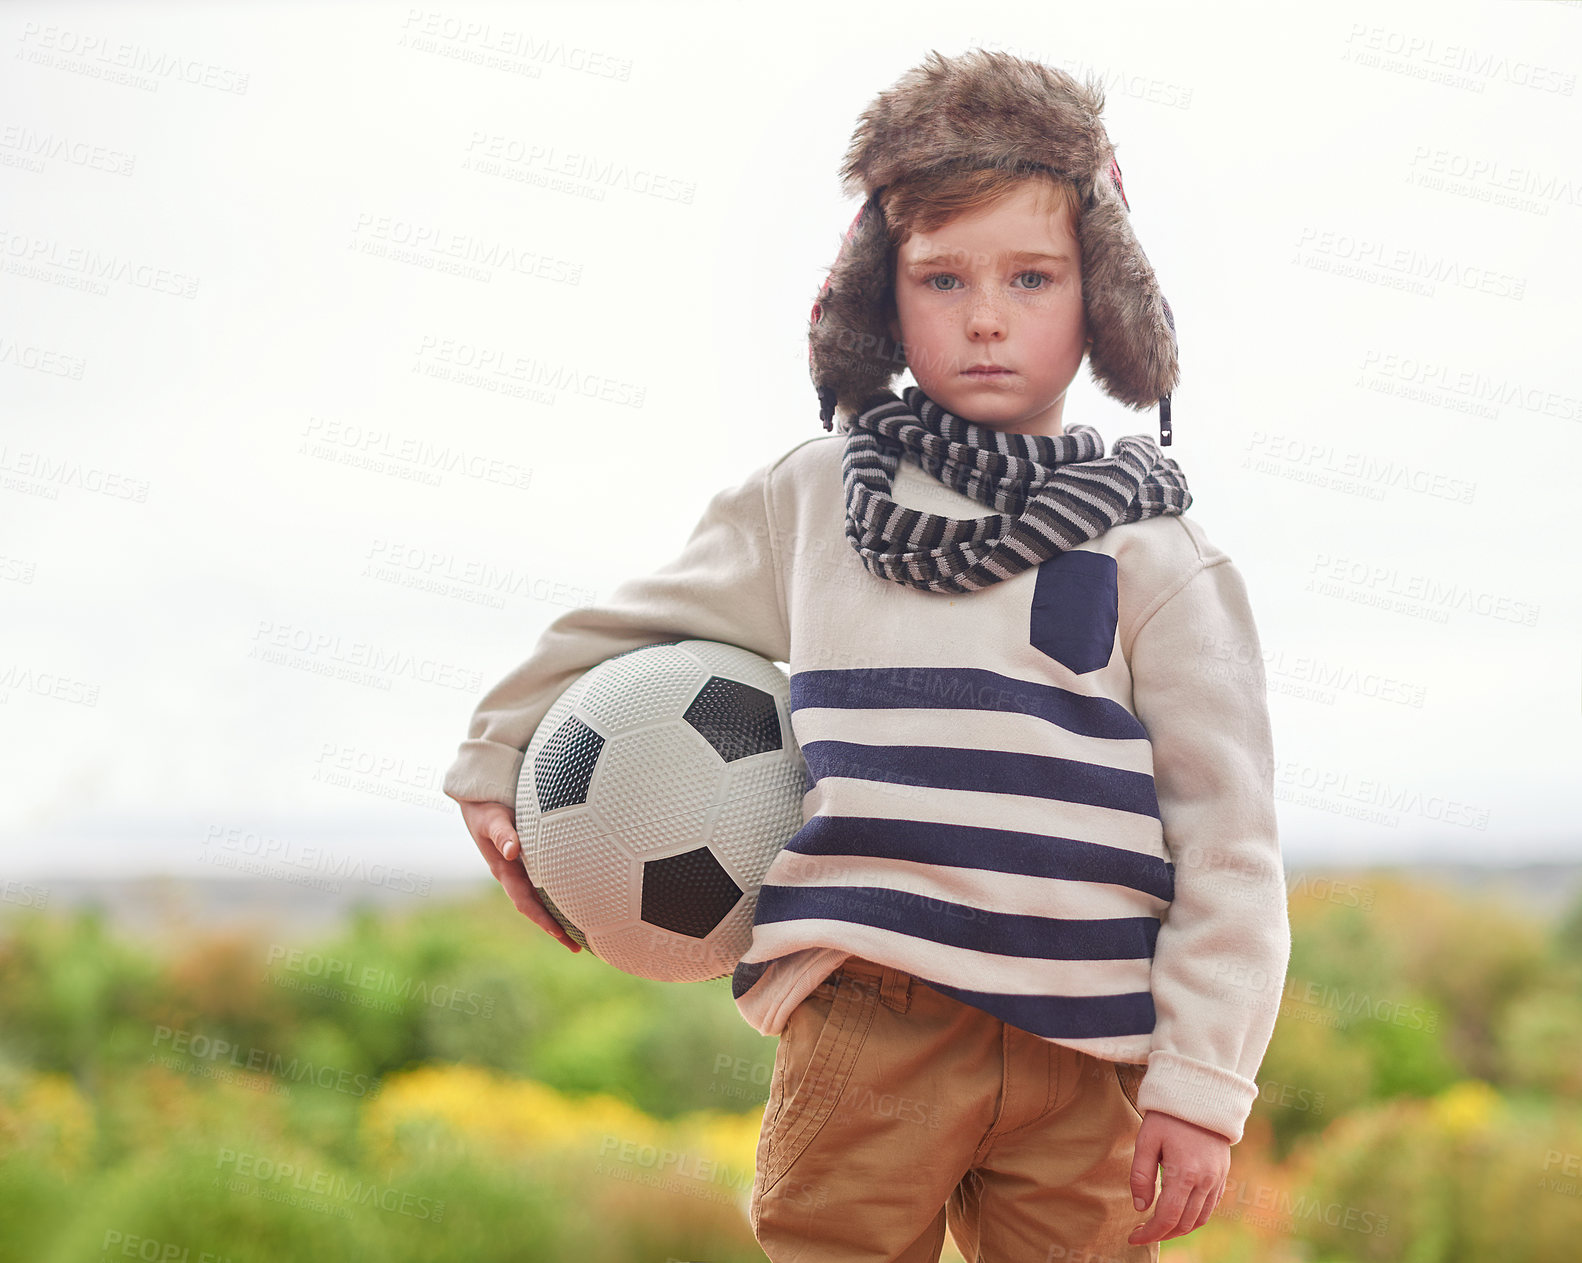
(1014, 256)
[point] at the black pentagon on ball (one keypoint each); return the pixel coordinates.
(688, 894)
(735, 718)
(563, 768)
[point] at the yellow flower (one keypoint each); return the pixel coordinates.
(50, 1120)
(1466, 1106)
(468, 1107)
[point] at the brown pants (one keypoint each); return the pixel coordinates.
(895, 1110)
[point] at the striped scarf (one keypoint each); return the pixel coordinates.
(1051, 492)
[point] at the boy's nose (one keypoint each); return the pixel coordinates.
(986, 330)
(985, 320)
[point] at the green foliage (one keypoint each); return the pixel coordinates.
(189, 1201)
(1458, 1179)
(1404, 1048)
(34, 1201)
(1399, 995)
(1398, 988)
(1568, 931)
(1311, 1075)
(68, 990)
(181, 1201)
(1540, 1041)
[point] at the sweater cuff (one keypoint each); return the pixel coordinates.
(484, 771)
(1207, 1095)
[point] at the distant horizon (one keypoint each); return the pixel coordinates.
(459, 878)
(432, 841)
(1549, 887)
(405, 847)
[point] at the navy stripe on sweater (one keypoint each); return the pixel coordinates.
(1063, 1017)
(964, 688)
(973, 846)
(986, 771)
(960, 925)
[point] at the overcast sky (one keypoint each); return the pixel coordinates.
(343, 347)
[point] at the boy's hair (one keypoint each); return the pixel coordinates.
(926, 204)
(929, 202)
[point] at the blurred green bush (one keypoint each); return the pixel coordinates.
(1423, 1075)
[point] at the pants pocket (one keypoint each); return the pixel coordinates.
(819, 1048)
(1131, 1077)
(784, 1054)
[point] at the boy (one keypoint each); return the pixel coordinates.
(1008, 955)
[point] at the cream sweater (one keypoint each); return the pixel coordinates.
(1046, 798)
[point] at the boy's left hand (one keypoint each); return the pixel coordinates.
(1196, 1163)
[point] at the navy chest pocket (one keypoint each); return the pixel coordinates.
(1076, 604)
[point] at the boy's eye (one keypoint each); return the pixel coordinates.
(1042, 276)
(938, 276)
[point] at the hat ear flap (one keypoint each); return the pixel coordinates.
(851, 352)
(1134, 344)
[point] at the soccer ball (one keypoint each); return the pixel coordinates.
(652, 798)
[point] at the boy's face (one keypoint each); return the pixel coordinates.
(1001, 286)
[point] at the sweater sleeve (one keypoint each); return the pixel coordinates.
(725, 585)
(1220, 959)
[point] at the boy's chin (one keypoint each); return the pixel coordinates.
(983, 407)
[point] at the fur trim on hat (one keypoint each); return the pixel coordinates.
(989, 109)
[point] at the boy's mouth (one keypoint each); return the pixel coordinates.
(986, 370)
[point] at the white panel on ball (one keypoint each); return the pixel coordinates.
(658, 788)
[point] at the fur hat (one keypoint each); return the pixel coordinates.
(990, 109)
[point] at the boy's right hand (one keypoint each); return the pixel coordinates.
(493, 829)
